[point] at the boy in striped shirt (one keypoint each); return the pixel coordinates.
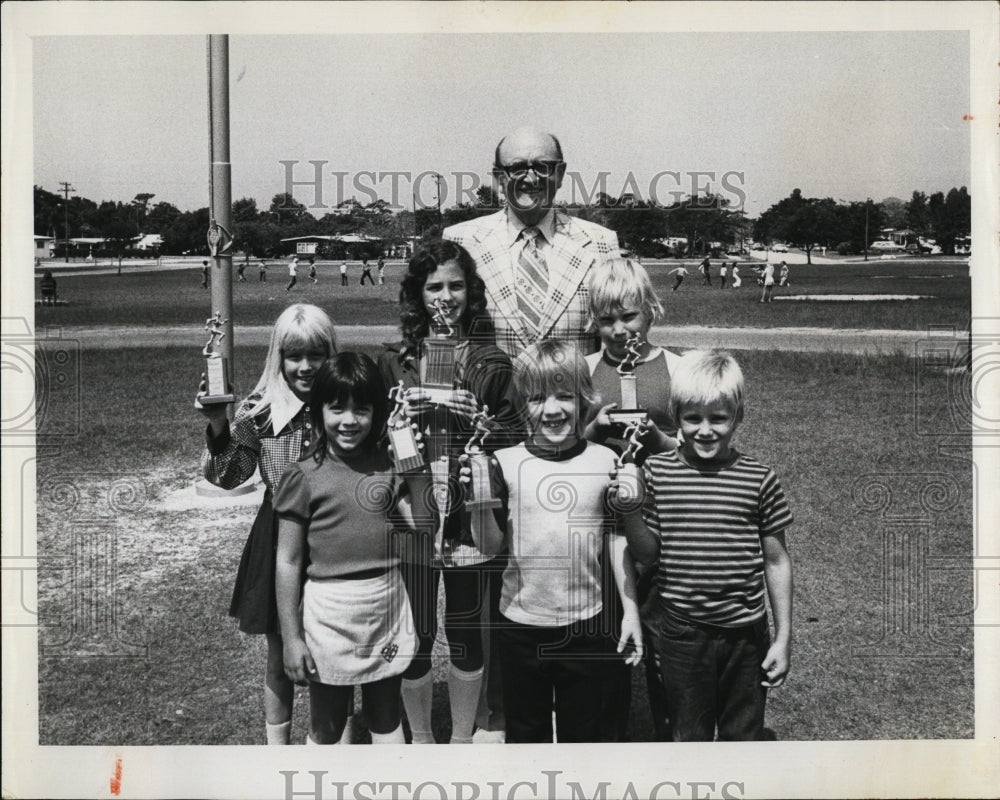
(713, 522)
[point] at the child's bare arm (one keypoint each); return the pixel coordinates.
(643, 544)
(656, 440)
(778, 577)
(299, 663)
(624, 571)
(599, 427)
(413, 509)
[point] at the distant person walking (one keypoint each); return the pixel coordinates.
(240, 272)
(48, 287)
(678, 274)
(768, 276)
(366, 272)
(737, 281)
(204, 274)
(343, 273)
(381, 271)
(723, 272)
(706, 270)
(312, 270)
(262, 272)
(783, 275)
(293, 266)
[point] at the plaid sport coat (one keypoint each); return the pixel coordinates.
(576, 247)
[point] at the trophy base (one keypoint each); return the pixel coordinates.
(480, 505)
(437, 396)
(406, 453)
(628, 416)
(413, 464)
(216, 399)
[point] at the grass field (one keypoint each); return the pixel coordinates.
(877, 621)
(175, 297)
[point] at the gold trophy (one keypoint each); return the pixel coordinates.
(628, 471)
(216, 368)
(406, 454)
(480, 491)
(628, 412)
(440, 347)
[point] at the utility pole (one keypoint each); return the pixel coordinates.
(868, 201)
(66, 189)
(416, 230)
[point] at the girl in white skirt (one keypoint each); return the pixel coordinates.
(354, 624)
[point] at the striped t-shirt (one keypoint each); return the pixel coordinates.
(709, 523)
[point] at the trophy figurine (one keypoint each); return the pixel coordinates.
(628, 471)
(216, 368)
(628, 412)
(406, 454)
(480, 492)
(439, 350)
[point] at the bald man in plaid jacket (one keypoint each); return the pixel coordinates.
(529, 165)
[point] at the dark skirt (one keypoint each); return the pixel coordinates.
(254, 603)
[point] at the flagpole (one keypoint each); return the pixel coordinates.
(220, 240)
(220, 191)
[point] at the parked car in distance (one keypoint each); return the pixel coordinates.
(884, 246)
(757, 246)
(778, 247)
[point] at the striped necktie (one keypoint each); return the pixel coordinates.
(532, 278)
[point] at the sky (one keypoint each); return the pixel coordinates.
(846, 115)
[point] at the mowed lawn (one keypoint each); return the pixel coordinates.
(136, 648)
(175, 297)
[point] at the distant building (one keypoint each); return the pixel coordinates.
(45, 246)
(149, 241)
(335, 246)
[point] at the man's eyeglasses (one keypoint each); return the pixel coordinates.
(519, 169)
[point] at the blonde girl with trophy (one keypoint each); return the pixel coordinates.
(270, 430)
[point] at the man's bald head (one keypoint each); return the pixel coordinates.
(526, 134)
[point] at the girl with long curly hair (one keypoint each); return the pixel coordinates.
(442, 297)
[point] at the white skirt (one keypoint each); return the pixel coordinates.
(358, 631)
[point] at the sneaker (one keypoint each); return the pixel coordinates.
(482, 736)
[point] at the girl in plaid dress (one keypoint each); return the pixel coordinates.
(270, 430)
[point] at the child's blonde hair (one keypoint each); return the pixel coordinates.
(302, 326)
(620, 282)
(552, 366)
(706, 376)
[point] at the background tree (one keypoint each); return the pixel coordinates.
(814, 222)
(951, 217)
(48, 213)
(187, 234)
(701, 219)
(772, 225)
(917, 215)
(141, 203)
(161, 216)
(894, 213)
